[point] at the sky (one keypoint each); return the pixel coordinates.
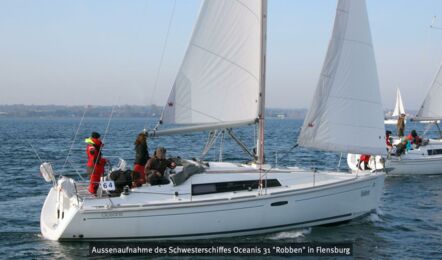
(108, 52)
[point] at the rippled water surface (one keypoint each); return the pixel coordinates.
(408, 223)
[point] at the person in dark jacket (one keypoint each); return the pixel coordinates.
(141, 157)
(414, 138)
(157, 165)
(388, 140)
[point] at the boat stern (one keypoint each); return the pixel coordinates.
(57, 212)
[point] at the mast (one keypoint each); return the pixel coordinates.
(261, 97)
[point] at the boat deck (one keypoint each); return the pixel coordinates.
(291, 179)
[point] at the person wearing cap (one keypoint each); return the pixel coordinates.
(95, 161)
(157, 165)
(401, 125)
(141, 157)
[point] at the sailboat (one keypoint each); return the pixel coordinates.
(425, 159)
(221, 85)
(398, 109)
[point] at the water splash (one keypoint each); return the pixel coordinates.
(374, 217)
(291, 234)
(379, 212)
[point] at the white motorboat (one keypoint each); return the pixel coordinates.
(221, 85)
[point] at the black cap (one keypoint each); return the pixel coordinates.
(95, 135)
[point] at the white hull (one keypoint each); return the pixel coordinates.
(424, 166)
(334, 197)
(414, 162)
(392, 121)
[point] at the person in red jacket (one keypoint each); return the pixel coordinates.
(364, 159)
(95, 162)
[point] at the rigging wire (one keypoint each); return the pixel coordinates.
(108, 123)
(28, 144)
(162, 57)
(75, 138)
(105, 134)
(265, 173)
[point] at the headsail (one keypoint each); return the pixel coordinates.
(346, 114)
(431, 107)
(399, 107)
(219, 80)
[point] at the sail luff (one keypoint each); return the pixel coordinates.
(431, 106)
(346, 113)
(161, 120)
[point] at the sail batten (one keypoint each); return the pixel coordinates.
(346, 113)
(220, 73)
(227, 60)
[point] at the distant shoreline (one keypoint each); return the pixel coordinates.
(125, 111)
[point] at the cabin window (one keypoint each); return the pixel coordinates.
(209, 188)
(434, 151)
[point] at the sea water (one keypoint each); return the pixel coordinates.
(408, 223)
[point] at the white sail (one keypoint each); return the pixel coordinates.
(346, 114)
(220, 76)
(399, 107)
(431, 107)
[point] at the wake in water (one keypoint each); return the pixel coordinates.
(373, 217)
(291, 234)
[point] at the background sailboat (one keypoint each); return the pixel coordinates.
(423, 159)
(398, 109)
(431, 108)
(426, 159)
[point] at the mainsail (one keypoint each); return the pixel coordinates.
(431, 107)
(219, 80)
(346, 114)
(399, 107)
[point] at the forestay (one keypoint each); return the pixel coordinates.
(220, 75)
(346, 114)
(431, 107)
(399, 107)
